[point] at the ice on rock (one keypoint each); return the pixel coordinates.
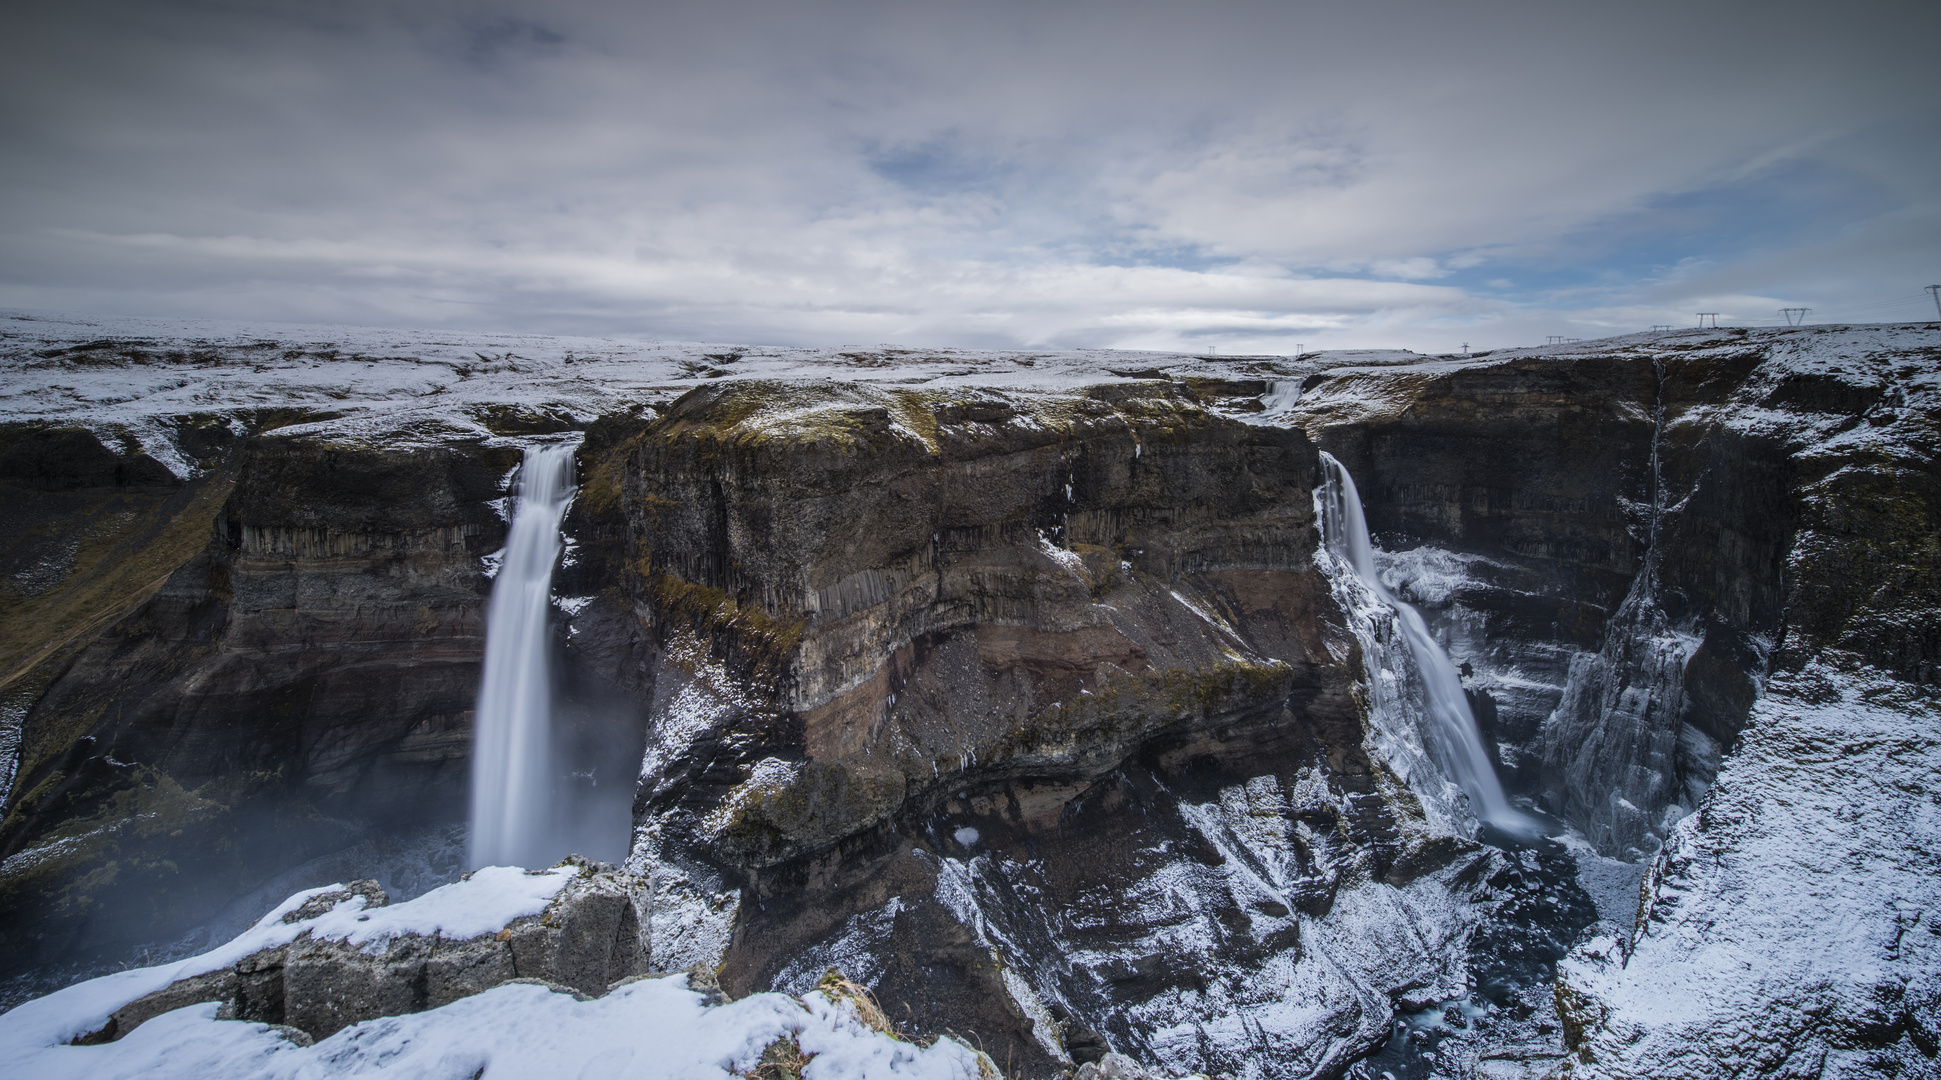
(1788, 926)
(1428, 730)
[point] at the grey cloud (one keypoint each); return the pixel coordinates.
(955, 174)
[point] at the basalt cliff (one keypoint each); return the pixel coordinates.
(1017, 688)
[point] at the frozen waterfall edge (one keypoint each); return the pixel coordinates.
(1422, 718)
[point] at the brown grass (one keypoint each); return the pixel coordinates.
(115, 571)
(837, 987)
(782, 1059)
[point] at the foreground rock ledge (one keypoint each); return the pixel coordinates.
(587, 939)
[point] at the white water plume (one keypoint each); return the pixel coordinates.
(1450, 729)
(512, 771)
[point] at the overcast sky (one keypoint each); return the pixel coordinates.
(1239, 177)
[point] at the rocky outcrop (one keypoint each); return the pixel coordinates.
(586, 940)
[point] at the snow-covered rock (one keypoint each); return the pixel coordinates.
(653, 1027)
(1789, 927)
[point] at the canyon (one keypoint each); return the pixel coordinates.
(1020, 688)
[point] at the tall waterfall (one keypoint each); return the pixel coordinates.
(1456, 744)
(512, 774)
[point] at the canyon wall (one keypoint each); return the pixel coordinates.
(1699, 591)
(298, 672)
(1031, 711)
(1616, 548)
(1015, 692)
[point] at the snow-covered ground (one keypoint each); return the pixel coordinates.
(1791, 926)
(649, 1028)
(124, 373)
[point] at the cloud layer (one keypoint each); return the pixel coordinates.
(1240, 177)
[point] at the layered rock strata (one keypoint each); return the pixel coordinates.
(299, 672)
(1031, 711)
(1026, 707)
(1759, 696)
(1621, 600)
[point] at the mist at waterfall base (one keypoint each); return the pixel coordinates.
(542, 782)
(1453, 737)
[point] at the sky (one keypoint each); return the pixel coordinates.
(1240, 177)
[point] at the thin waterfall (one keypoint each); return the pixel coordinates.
(512, 788)
(1457, 745)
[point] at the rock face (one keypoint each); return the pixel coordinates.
(300, 672)
(1015, 692)
(950, 684)
(1622, 597)
(1787, 927)
(1769, 665)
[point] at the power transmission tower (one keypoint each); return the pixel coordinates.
(1935, 291)
(1661, 326)
(1465, 348)
(1554, 339)
(1795, 315)
(1704, 315)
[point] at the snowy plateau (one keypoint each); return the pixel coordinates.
(1564, 712)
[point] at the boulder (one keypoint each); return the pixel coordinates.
(586, 940)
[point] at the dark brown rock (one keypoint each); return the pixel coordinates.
(1040, 620)
(323, 902)
(300, 671)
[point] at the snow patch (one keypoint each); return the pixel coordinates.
(483, 904)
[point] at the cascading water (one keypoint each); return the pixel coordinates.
(1451, 727)
(512, 789)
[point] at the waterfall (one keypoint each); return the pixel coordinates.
(512, 774)
(1456, 744)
